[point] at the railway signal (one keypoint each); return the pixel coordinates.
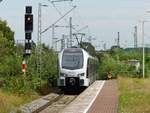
(29, 9)
(28, 30)
(28, 22)
(28, 36)
(28, 19)
(28, 27)
(28, 45)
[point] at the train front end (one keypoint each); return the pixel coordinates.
(72, 71)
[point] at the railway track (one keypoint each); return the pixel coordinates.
(60, 104)
(51, 103)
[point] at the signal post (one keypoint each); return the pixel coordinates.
(28, 22)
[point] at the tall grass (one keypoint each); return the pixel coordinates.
(134, 95)
(9, 102)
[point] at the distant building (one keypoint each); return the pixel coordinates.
(134, 63)
(115, 47)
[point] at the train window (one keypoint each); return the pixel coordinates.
(72, 60)
(92, 66)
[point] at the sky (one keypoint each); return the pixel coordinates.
(104, 19)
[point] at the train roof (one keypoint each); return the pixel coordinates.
(79, 50)
(73, 50)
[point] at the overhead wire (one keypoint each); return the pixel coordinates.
(80, 19)
(78, 15)
(59, 12)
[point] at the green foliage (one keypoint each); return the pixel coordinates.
(49, 65)
(11, 57)
(6, 39)
(115, 61)
(6, 31)
(11, 66)
(16, 82)
(8, 60)
(110, 65)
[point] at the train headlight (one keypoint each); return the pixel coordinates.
(81, 75)
(62, 74)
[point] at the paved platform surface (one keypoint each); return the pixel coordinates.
(107, 100)
(100, 97)
(83, 102)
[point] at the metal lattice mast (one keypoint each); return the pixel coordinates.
(104, 46)
(70, 20)
(135, 37)
(53, 36)
(39, 42)
(54, 39)
(118, 40)
(63, 42)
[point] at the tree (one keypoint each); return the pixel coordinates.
(7, 56)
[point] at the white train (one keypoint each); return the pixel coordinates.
(76, 69)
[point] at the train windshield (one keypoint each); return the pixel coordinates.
(72, 60)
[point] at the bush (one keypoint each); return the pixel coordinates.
(108, 65)
(11, 57)
(114, 62)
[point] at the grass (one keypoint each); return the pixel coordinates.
(134, 95)
(9, 102)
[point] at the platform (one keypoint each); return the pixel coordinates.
(107, 100)
(100, 97)
(82, 103)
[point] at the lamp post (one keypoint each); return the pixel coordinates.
(143, 47)
(143, 71)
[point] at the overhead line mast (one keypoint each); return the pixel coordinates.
(135, 37)
(39, 41)
(70, 19)
(118, 40)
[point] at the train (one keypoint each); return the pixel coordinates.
(77, 69)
